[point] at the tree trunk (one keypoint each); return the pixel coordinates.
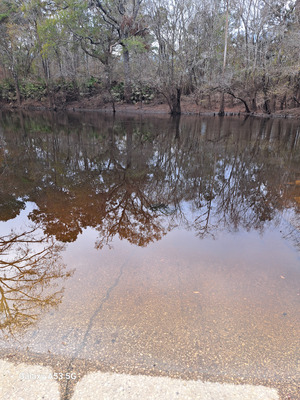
(267, 107)
(107, 76)
(175, 99)
(222, 105)
(50, 95)
(273, 103)
(18, 93)
(296, 101)
(254, 105)
(242, 100)
(45, 65)
(127, 76)
(283, 102)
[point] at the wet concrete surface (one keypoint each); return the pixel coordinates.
(175, 309)
(166, 248)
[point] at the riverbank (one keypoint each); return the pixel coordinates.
(188, 107)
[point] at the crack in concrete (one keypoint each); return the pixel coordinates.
(69, 388)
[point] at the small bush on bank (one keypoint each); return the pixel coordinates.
(7, 90)
(143, 93)
(33, 90)
(117, 91)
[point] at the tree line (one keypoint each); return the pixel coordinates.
(137, 50)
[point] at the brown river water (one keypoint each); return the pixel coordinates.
(151, 245)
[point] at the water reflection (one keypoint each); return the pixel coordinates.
(219, 307)
(30, 265)
(139, 178)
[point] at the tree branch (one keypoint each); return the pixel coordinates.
(228, 91)
(112, 21)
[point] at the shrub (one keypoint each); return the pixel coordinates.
(33, 90)
(7, 90)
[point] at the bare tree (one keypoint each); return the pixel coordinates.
(30, 266)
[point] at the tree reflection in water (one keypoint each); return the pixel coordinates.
(96, 171)
(30, 265)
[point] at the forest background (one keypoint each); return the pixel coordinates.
(216, 54)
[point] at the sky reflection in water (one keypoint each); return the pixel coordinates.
(152, 242)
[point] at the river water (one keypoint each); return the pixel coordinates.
(151, 245)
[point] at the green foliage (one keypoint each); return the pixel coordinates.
(7, 90)
(49, 36)
(3, 17)
(7, 8)
(33, 90)
(118, 91)
(143, 93)
(69, 88)
(28, 90)
(88, 28)
(89, 86)
(91, 82)
(136, 44)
